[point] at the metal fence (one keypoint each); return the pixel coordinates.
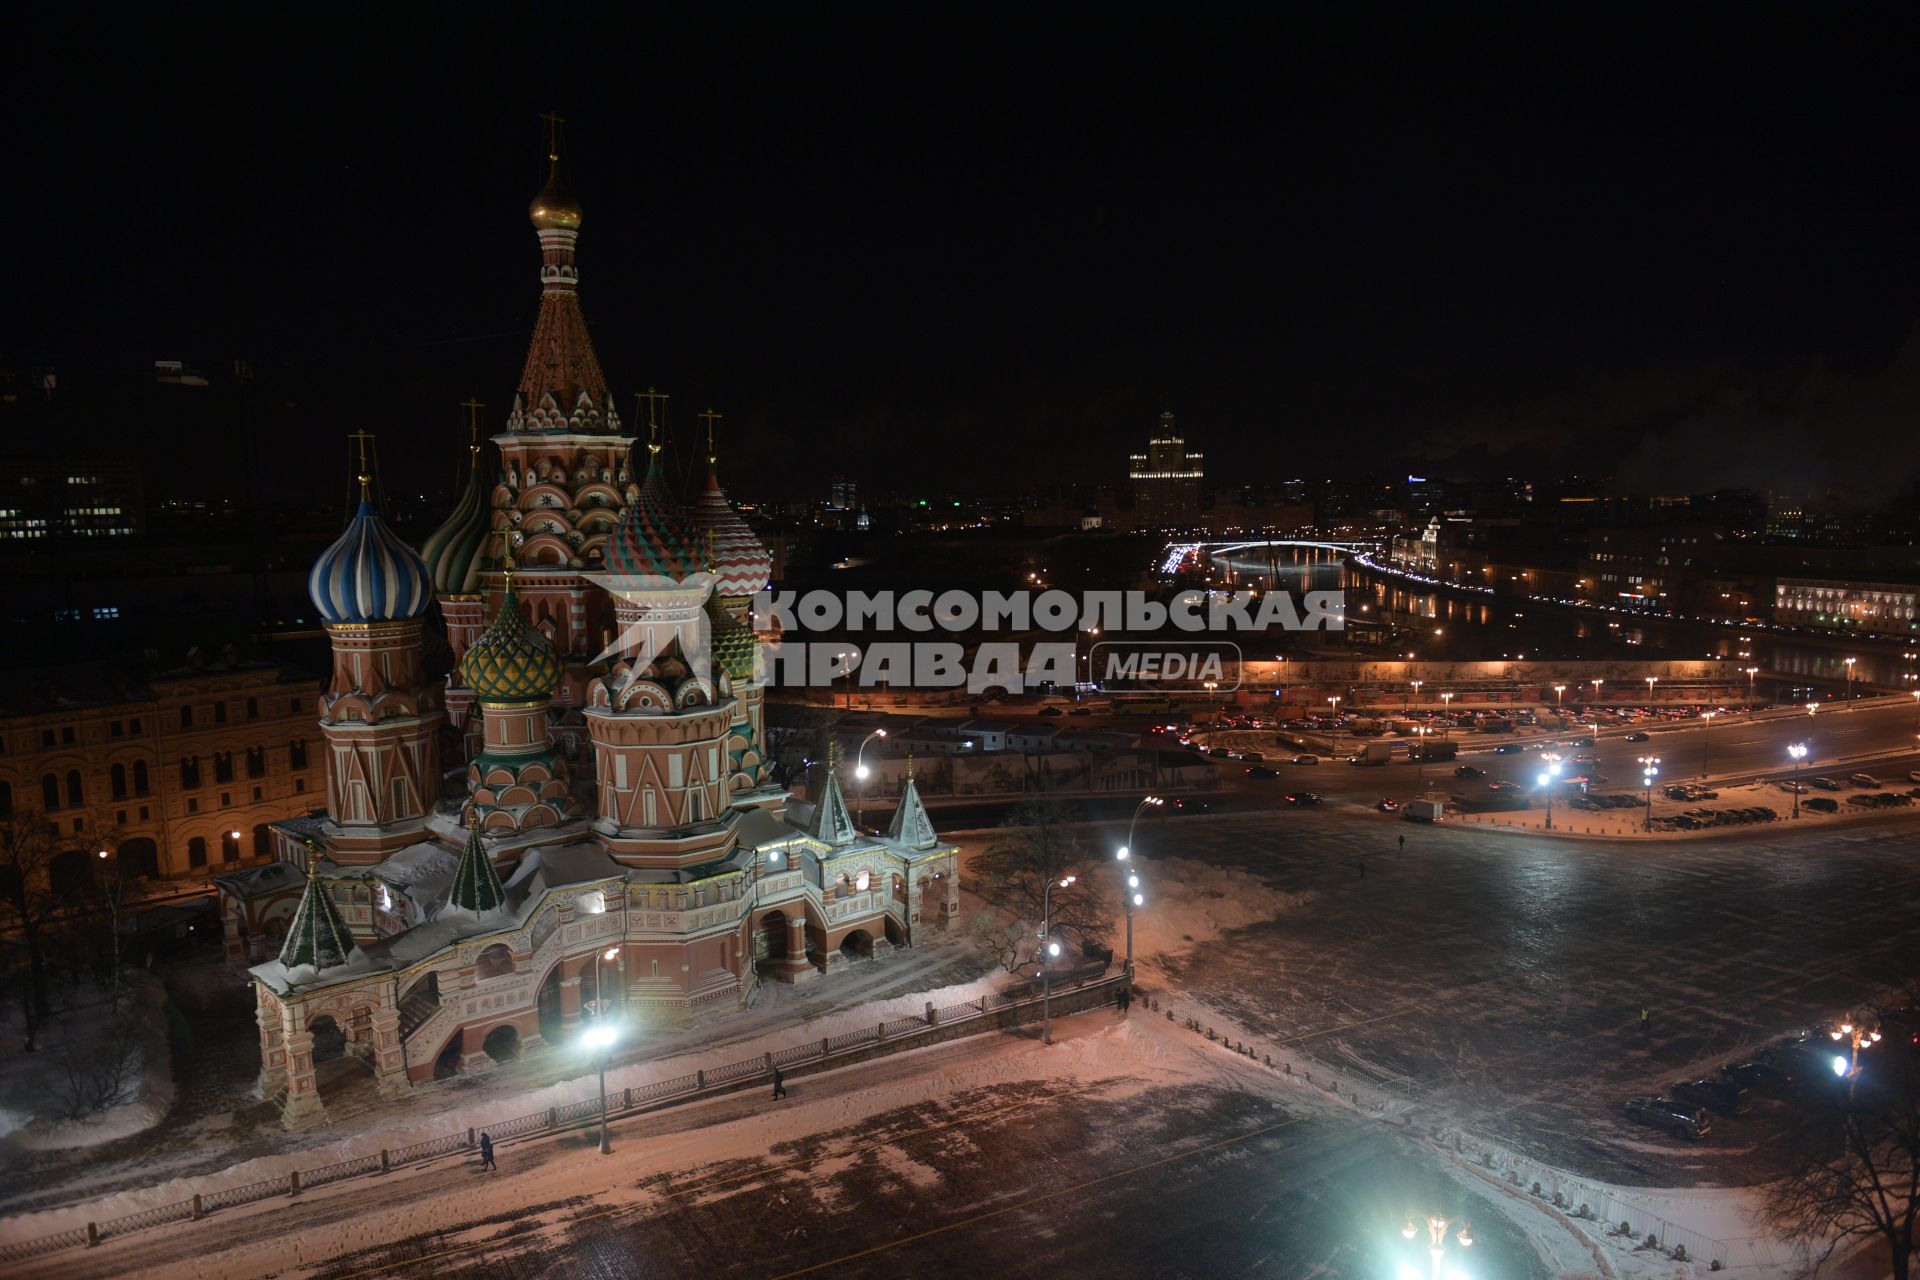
(899, 1034)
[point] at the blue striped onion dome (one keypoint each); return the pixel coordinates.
(369, 575)
(455, 551)
(511, 661)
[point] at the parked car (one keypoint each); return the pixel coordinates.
(1863, 780)
(1304, 760)
(1676, 1118)
(1724, 1096)
(1261, 771)
(1510, 748)
(1762, 1077)
(1469, 771)
(1821, 804)
(1302, 798)
(1636, 736)
(1252, 757)
(1825, 784)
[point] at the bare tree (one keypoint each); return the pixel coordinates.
(1003, 938)
(1040, 845)
(1853, 1169)
(30, 905)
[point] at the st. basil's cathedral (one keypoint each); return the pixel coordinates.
(620, 848)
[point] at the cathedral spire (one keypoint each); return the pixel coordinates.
(831, 823)
(562, 387)
(911, 825)
(318, 937)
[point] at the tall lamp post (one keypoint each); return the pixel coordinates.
(1651, 681)
(1131, 889)
(1048, 951)
(1850, 662)
(1551, 759)
(1416, 693)
(1420, 733)
(1596, 697)
(1916, 709)
(1798, 751)
(1649, 770)
(1446, 701)
(1437, 1229)
(1751, 673)
(1334, 702)
(1706, 739)
(860, 771)
(600, 1036)
(1861, 1035)
(1560, 700)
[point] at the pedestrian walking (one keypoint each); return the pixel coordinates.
(486, 1154)
(1646, 1019)
(1403, 844)
(779, 1085)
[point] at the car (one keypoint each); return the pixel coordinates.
(1304, 760)
(1676, 1118)
(1636, 736)
(1510, 748)
(1050, 711)
(1581, 742)
(1821, 804)
(1185, 805)
(1252, 757)
(1863, 780)
(1791, 787)
(1302, 798)
(1261, 771)
(1389, 806)
(1763, 1077)
(1724, 1096)
(1503, 786)
(1586, 757)
(1826, 784)
(1862, 799)
(1469, 771)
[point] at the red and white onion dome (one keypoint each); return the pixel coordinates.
(742, 566)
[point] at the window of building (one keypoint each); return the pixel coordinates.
(219, 713)
(140, 787)
(262, 840)
(256, 762)
(133, 726)
(259, 794)
(223, 766)
(297, 753)
(66, 734)
(186, 717)
(76, 794)
(296, 704)
(229, 846)
(46, 737)
(114, 729)
(197, 852)
(117, 777)
(253, 708)
(193, 805)
(145, 813)
(300, 786)
(189, 772)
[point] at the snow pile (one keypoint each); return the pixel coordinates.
(1189, 902)
(79, 1040)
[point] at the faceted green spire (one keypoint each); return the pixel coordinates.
(476, 885)
(831, 823)
(319, 936)
(911, 826)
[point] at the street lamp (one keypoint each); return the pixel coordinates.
(1416, 692)
(1437, 1238)
(1596, 691)
(1133, 896)
(1420, 733)
(1552, 760)
(1706, 739)
(1798, 751)
(601, 1036)
(1860, 1035)
(1812, 707)
(1446, 701)
(1751, 673)
(860, 771)
(1334, 702)
(1560, 700)
(1649, 770)
(1651, 681)
(1850, 662)
(1916, 708)
(1048, 952)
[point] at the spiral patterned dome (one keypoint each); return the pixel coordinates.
(511, 661)
(654, 540)
(456, 551)
(369, 575)
(731, 641)
(742, 566)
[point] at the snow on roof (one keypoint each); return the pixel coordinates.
(257, 882)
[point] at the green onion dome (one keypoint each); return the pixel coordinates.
(731, 642)
(511, 661)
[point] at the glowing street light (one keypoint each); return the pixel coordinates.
(1437, 1229)
(1651, 681)
(1798, 751)
(1850, 662)
(1552, 775)
(1416, 692)
(1334, 702)
(1751, 673)
(1048, 953)
(1649, 770)
(1706, 738)
(1859, 1035)
(1596, 689)
(1560, 698)
(1446, 701)
(1133, 896)
(860, 771)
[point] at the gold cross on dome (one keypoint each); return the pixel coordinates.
(653, 399)
(473, 408)
(363, 438)
(712, 420)
(553, 133)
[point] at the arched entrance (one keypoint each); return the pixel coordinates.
(857, 945)
(773, 937)
(447, 1065)
(494, 962)
(547, 1004)
(329, 1041)
(502, 1044)
(139, 857)
(895, 934)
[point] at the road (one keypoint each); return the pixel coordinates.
(1128, 1149)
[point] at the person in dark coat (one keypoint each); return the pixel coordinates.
(486, 1154)
(779, 1085)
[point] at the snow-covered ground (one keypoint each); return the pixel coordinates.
(84, 1034)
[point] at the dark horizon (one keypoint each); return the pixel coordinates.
(1674, 249)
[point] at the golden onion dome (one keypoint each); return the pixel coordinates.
(555, 206)
(511, 661)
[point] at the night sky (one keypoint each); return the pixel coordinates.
(1672, 244)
